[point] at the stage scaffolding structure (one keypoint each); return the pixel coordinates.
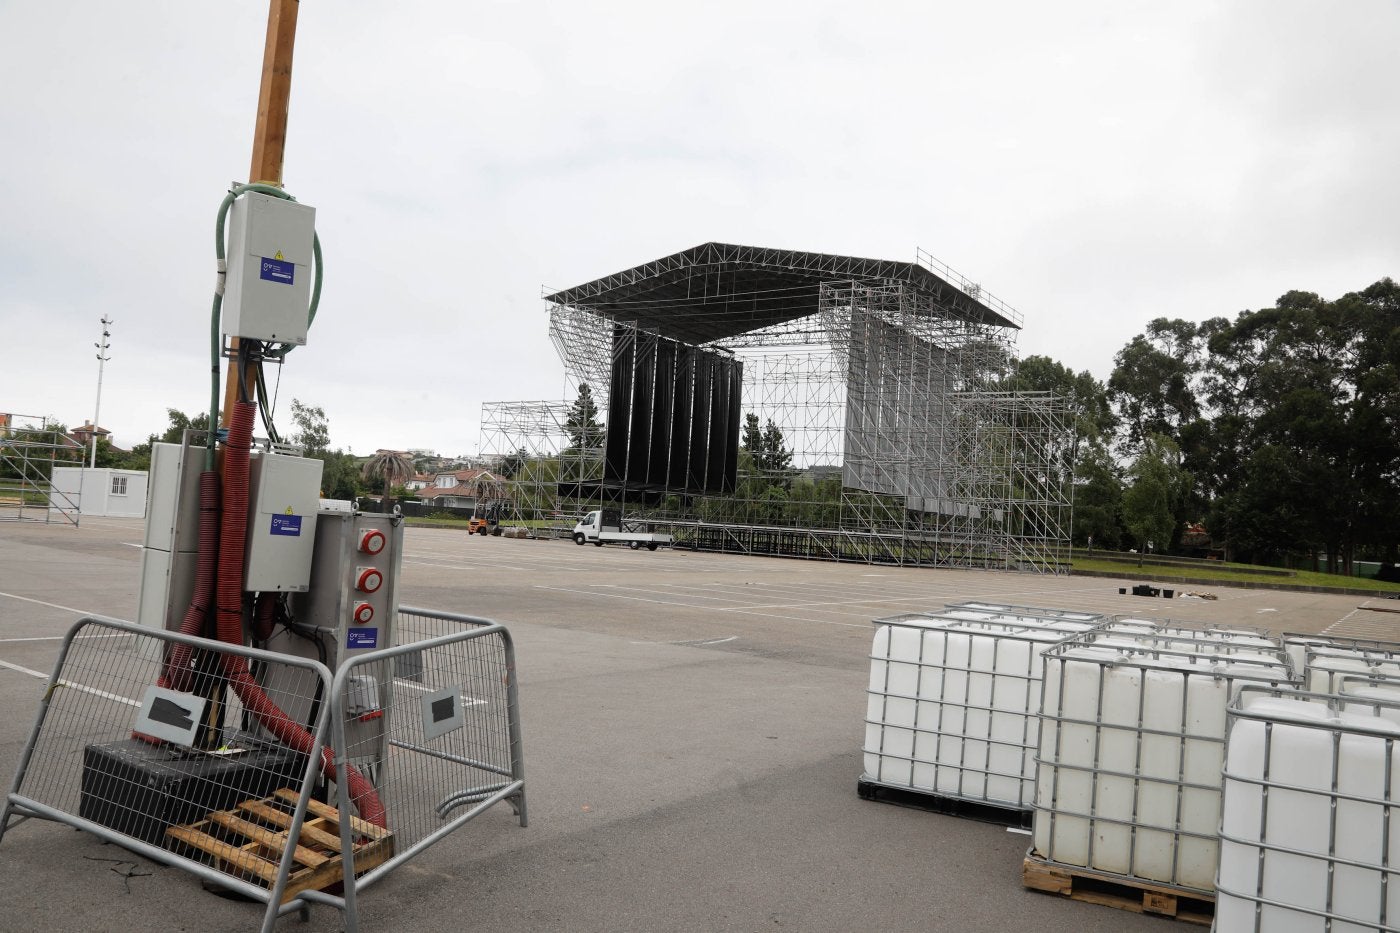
(887, 381)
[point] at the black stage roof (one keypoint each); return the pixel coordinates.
(716, 291)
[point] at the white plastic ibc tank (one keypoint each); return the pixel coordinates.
(1365, 689)
(952, 708)
(1324, 666)
(1027, 613)
(1144, 636)
(1297, 646)
(1281, 818)
(895, 672)
(1168, 628)
(1012, 619)
(1131, 747)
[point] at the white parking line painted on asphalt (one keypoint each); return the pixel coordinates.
(483, 566)
(643, 589)
(4, 641)
(772, 615)
(23, 670)
(704, 596)
(610, 591)
(40, 602)
(69, 684)
(614, 559)
(410, 685)
(784, 592)
(819, 605)
(692, 643)
(595, 592)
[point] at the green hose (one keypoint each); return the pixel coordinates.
(216, 342)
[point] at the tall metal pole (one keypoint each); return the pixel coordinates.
(102, 347)
(269, 139)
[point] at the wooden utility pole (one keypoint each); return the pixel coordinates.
(269, 140)
(270, 137)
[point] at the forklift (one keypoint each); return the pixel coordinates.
(486, 522)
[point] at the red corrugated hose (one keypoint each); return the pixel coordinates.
(177, 668)
(229, 608)
(264, 615)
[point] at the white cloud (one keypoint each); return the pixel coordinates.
(1095, 165)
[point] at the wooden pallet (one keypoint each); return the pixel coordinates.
(1140, 897)
(250, 840)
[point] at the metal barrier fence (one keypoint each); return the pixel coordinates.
(451, 744)
(189, 773)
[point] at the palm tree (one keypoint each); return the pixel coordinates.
(394, 467)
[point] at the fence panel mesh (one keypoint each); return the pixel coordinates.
(444, 742)
(170, 745)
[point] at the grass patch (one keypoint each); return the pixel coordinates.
(1236, 573)
(434, 521)
(431, 522)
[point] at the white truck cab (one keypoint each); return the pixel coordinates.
(604, 526)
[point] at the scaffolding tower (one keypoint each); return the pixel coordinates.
(30, 448)
(886, 380)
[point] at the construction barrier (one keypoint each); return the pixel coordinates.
(166, 761)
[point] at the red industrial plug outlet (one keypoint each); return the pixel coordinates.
(368, 580)
(364, 612)
(372, 542)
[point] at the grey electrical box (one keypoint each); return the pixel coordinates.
(284, 495)
(267, 291)
(169, 557)
(350, 609)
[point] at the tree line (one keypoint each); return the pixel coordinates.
(343, 476)
(1271, 437)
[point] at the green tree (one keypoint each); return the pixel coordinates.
(48, 435)
(752, 438)
(767, 449)
(340, 475)
(1086, 397)
(1156, 489)
(180, 422)
(777, 458)
(391, 468)
(137, 458)
(340, 472)
(1154, 383)
(1307, 433)
(1098, 499)
(585, 433)
(1258, 517)
(514, 462)
(312, 431)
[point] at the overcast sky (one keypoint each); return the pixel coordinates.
(1095, 165)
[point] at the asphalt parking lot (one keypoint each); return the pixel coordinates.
(692, 728)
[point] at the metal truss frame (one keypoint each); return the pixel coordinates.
(904, 448)
(27, 458)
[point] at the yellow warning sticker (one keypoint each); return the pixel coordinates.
(289, 510)
(279, 255)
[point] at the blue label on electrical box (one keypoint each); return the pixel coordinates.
(287, 525)
(361, 637)
(277, 270)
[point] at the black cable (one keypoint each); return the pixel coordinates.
(264, 411)
(244, 353)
